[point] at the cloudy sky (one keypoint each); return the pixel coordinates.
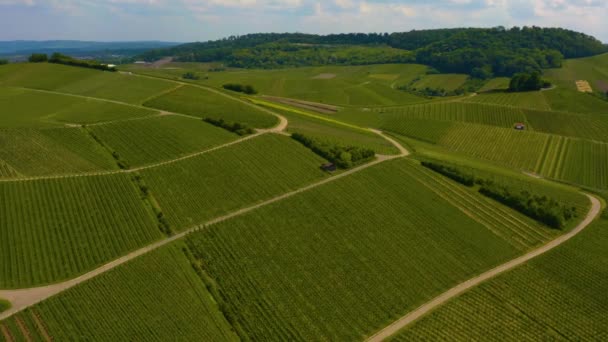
(200, 20)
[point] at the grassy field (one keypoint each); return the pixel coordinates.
(567, 100)
(203, 103)
(558, 296)
(33, 109)
(81, 81)
(530, 100)
(128, 304)
(586, 126)
(30, 152)
(369, 85)
(195, 190)
(56, 229)
(498, 83)
(151, 140)
(330, 276)
(592, 69)
(448, 82)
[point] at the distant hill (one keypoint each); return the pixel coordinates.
(477, 51)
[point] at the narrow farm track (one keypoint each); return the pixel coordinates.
(459, 289)
(24, 298)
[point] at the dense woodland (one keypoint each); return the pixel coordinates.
(476, 51)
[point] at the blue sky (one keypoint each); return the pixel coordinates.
(200, 20)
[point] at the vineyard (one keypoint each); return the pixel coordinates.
(448, 82)
(332, 276)
(206, 104)
(39, 109)
(42, 152)
(498, 83)
(86, 82)
(531, 100)
(117, 306)
(55, 229)
(586, 126)
(151, 140)
(558, 296)
(198, 189)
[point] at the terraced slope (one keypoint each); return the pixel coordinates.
(156, 139)
(558, 296)
(173, 305)
(342, 260)
(31, 152)
(58, 228)
(530, 100)
(195, 190)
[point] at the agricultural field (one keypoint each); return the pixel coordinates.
(449, 82)
(530, 100)
(498, 83)
(44, 152)
(585, 126)
(204, 187)
(151, 140)
(592, 69)
(85, 82)
(405, 253)
(55, 229)
(34, 109)
(566, 100)
(115, 306)
(559, 296)
(207, 104)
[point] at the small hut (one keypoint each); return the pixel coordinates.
(329, 167)
(520, 126)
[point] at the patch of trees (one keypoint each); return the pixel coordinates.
(343, 157)
(540, 208)
(38, 58)
(481, 52)
(190, 76)
(524, 81)
(235, 127)
(451, 172)
(471, 85)
(240, 88)
(3, 61)
(59, 58)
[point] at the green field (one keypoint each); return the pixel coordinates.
(56, 229)
(207, 104)
(592, 69)
(498, 83)
(126, 304)
(198, 189)
(342, 277)
(81, 81)
(141, 142)
(449, 82)
(530, 100)
(559, 296)
(30, 152)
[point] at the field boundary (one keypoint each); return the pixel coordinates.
(461, 288)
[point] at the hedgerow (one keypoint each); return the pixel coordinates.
(235, 127)
(58, 58)
(451, 172)
(240, 88)
(343, 156)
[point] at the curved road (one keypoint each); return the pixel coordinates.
(467, 285)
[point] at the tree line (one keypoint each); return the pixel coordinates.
(58, 58)
(235, 127)
(343, 157)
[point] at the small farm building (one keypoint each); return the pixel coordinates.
(520, 126)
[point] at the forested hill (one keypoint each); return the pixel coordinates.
(482, 51)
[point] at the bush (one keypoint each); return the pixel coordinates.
(343, 157)
(247, 89)
(38, 58)
(4, 305)
(451, 172)
(235, 127)
(540, 208)
(58, 58)
(3, 61)
(190, 76)
(527, 82)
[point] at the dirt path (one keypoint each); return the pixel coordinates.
(24, 298)
(402, 150)
(467, 285)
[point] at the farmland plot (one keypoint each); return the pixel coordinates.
(586, 126)
(44, 152)
(141, 142)
(531, 99)
(197, 189)
(448, 82)
(55, 229)
(340, 261)
(204, 103)
(155, 297)
(558, 296)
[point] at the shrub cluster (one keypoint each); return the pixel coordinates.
(527, 82)
(38, 58)
(343, 156)
(58, 58)
(235, 127)
(247, 89)
(451, 172)
(3, 61)
(190, 76)
(540, 208)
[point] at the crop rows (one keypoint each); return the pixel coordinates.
(342, 260)
(156, 139)
(204, 103)
(56, 229)
(558, 296)
(586, 163)
(197, 189)
(593, 127)
(156, 297)
(532, 99)
(51, 151)
(454, 111)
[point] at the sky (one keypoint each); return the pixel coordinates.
(201, 20)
